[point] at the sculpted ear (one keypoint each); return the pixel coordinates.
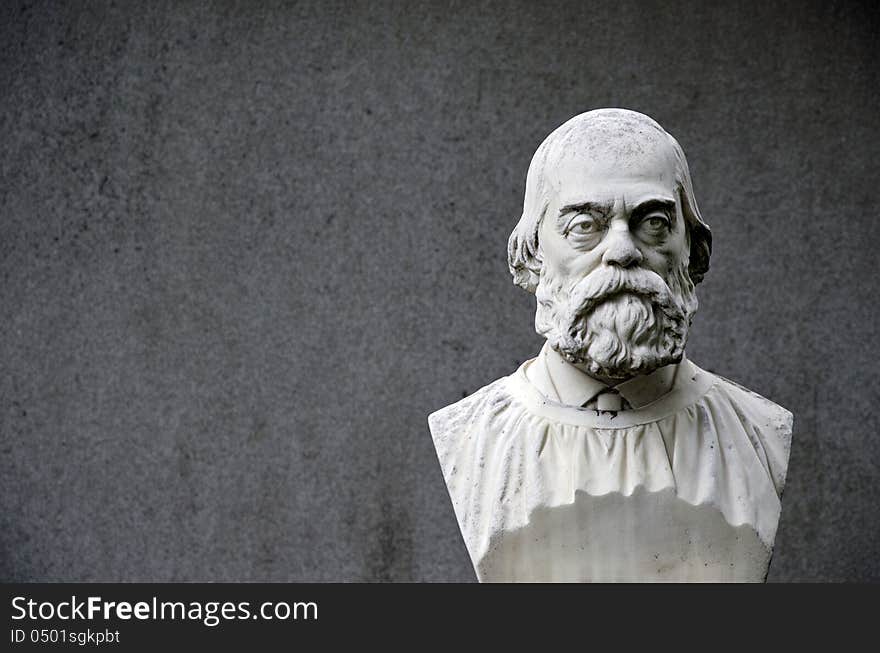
(523, 254)
(700, 237)
(699, 234)
(701, 250)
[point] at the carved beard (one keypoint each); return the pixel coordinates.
(617, 322)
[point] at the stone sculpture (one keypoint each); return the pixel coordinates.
(610, 456)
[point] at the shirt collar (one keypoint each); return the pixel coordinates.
(556, 378)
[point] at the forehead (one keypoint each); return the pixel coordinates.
(603, 168)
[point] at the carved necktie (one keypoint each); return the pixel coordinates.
(609, 400)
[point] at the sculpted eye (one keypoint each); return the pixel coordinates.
(654, 225)
(583, 225)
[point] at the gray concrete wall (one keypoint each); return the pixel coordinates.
(245, 252)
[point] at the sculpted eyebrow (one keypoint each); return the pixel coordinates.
(585, 206)
(653, 205)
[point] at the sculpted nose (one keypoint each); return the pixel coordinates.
(621, 250)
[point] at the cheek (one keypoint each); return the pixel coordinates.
(561, 259)
(554, 253)
(668, 256)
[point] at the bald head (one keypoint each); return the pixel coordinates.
(616, 136)
(619, 147)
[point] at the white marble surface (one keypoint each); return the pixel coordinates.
(686, 488)
(611, 457)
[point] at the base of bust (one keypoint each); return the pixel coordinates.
(643, 537)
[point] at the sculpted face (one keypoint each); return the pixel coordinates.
(614, 295)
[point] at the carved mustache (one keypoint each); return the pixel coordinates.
(607, 281)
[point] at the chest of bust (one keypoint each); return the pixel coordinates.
(644, 537)
(684, 489)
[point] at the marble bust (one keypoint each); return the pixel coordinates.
(610, 456)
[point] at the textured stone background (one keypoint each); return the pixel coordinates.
(246, 251)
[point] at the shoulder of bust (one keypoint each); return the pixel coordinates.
(768, 424)
(452, 417)
(757, 405)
